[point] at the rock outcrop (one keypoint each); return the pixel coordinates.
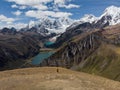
(76, 50)
(95, 52)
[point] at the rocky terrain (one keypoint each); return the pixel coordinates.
(87, 23)
(80, 47)
(95, 52)
(48, 79)
(16, 46)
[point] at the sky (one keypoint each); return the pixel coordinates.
(19, 13)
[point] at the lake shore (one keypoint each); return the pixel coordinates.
(28, 62)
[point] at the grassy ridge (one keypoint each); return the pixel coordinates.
(105, 62)
(48, 79)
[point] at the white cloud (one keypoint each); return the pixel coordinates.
(40, 7)
(18, 6)
(6, 19)
(29, 2)
(17, 13)
(23, 4)
(41, 14)
(14, 6)
(70, 6)
(60, 1)
(18, 25)
(15, 25)
(63, 4)
(22, 7)
(41, 4)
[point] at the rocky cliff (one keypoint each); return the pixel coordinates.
(76, 50)
(95, 52)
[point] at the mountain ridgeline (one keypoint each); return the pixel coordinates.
(110, 16)
(91, 44)
(95, 51)
(17, 46)
(75, 50)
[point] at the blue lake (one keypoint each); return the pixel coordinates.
(40, 57)
(48, 43)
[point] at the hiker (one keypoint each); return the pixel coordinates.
(57, 70)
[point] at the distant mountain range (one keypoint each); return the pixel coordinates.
(90, 45)
(64, 30)
(96, 51)
(111, 16)
(46, 26)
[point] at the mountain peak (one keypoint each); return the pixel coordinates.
(112, 10)
(111, 15)
(88, 18)
(52, 25)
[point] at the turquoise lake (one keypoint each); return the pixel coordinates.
(40, 57)
(48, 43)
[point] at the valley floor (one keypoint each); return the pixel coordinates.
(45, 78)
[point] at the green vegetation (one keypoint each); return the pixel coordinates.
(105, 61)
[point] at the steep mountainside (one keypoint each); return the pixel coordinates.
(111, 16)
(95, 52)
(105, 62)
(15, 47)
(76, 50)
(74, 31)
(49, 79)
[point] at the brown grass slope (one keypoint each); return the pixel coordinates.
(105, 61)
(48, 79)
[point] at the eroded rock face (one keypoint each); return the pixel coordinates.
(93, 52)
(75, 51)
(71, 32)
(81, 46)
(79, 29)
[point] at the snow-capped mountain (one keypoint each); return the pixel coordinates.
(111, 15)
(88, 18)
(46, 26)
(51, 25)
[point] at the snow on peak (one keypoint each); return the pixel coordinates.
(66, 20)
(52, 25)
(112, 10)
(31, 24)
(112, 15)
(88, 18)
